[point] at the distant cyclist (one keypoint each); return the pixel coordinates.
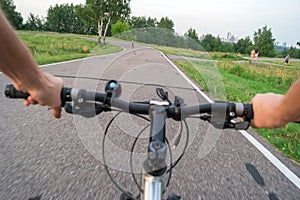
(287, 59)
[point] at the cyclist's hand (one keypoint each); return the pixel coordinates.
(267, 111)
(46, 94)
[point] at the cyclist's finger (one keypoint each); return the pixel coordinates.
(253, 125)
(56, 112)
(29, 101)
(26, 102)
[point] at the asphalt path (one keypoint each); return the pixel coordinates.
(45, 158)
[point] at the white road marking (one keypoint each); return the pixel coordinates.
(275, 161)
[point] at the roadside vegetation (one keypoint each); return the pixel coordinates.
(50, 47)
(199, 54)
(242, 80)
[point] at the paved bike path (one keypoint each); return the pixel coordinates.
(43, 158)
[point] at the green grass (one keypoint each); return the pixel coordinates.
(282, 63)
(275, 77)
(241, 82)
(198, 54)
(182, 52)
(226, 56)
(49, 47)
(286, 139)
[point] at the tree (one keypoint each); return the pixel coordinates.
(298, 43)
(119, 27)
(226, 47)
(62, 18)
(285, 52)
(107, 11)
(142, 22)
(243, 46)
(167, 23)
(292, 51)
(191, 33)
(211, 43)
(85, 23)
(34, 23)
(151, 22)
(138, 22)
(264, 41)
(13, 16)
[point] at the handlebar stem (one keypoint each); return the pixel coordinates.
(155, 163)
(158, 117)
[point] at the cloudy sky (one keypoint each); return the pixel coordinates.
(217, 17)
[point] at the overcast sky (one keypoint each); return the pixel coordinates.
(218, 17)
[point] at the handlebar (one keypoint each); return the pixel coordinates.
(11, 92)
(89, 103)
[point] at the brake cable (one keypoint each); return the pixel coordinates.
(126, 82)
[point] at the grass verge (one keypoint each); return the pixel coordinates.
(241, 82)
(49, 47)
(198, 54)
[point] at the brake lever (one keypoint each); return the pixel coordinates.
(216, 123)
(242, 125)
(228, 123)
(86, 109)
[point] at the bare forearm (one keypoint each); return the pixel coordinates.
(17, 63)
(274, 110)
(290, 105)
(16, 60)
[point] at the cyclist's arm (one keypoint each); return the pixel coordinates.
(17, 63)
(274, 111)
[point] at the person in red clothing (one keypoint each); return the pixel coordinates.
(252, 56)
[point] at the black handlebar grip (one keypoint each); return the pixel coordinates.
(248, 111)
(12, 92)
(65, 95)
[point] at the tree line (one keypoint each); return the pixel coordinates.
(112, 17)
